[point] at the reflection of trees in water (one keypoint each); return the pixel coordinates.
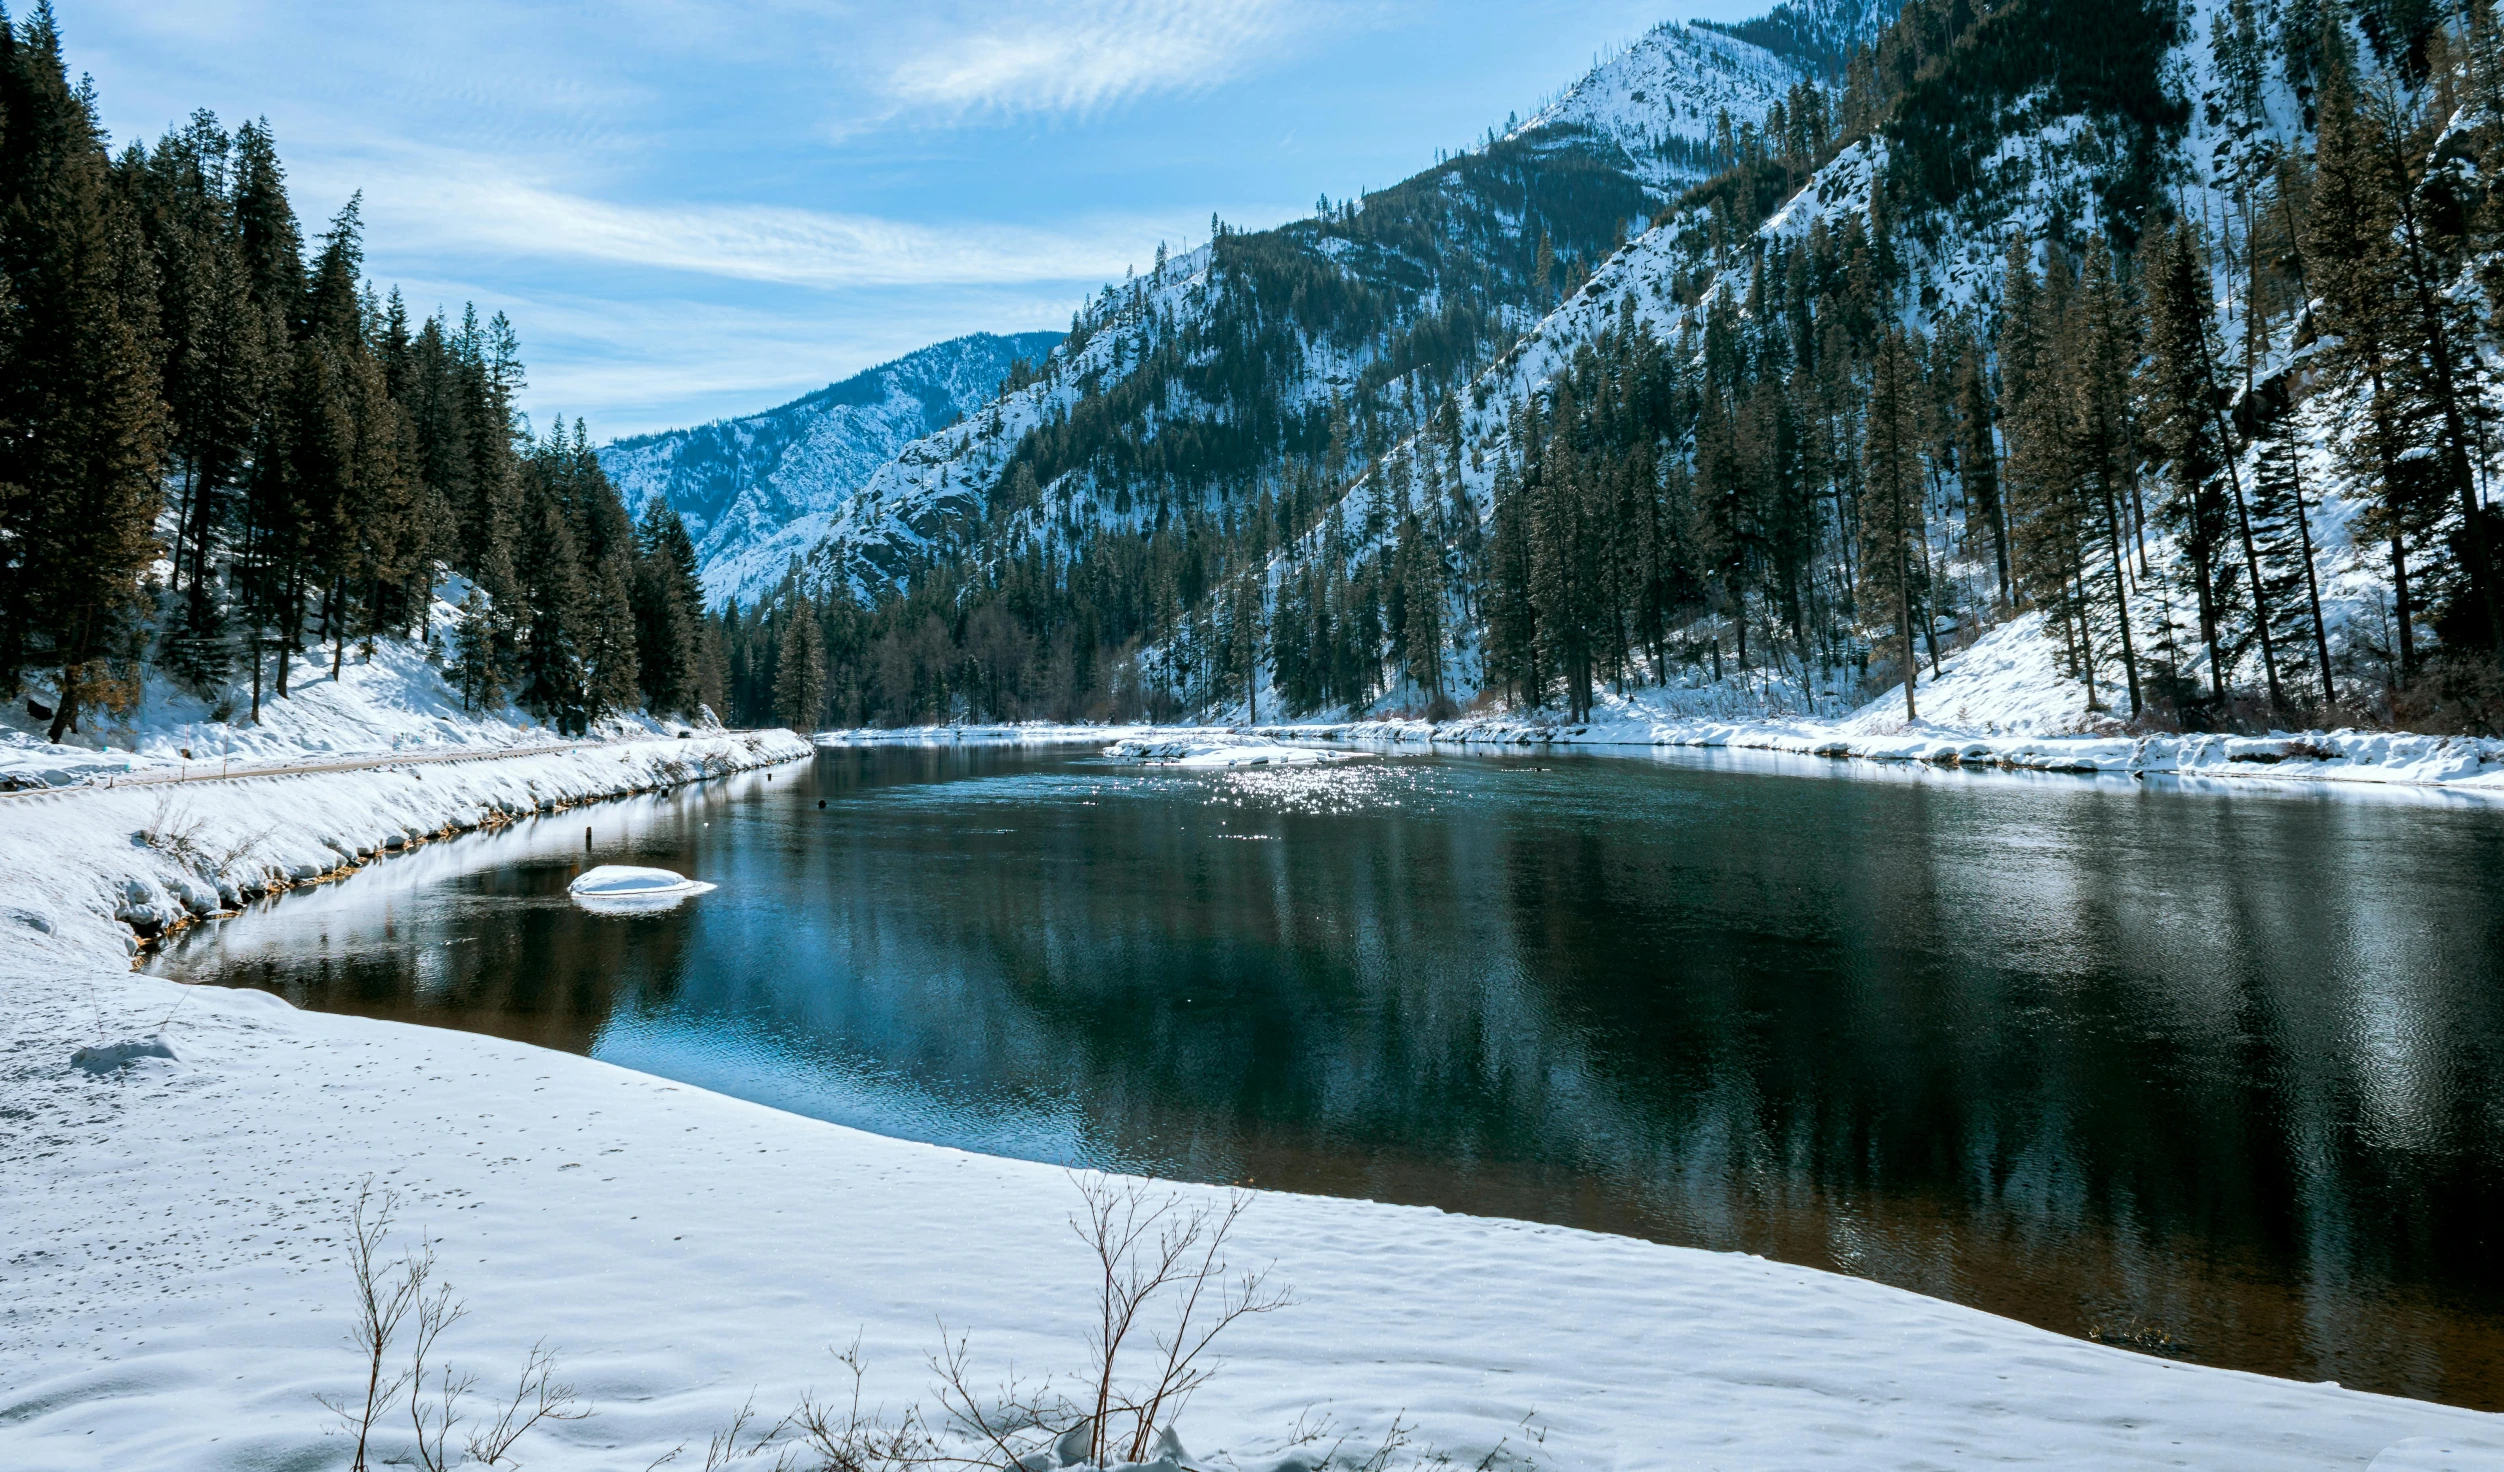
(2090, 1060)
(476, 933)
(2219, 1068)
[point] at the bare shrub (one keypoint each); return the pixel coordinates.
(384, 1295)
(388, 1294)
(537, 1396)
(1149, 1249)
(174, 831)
(846, 1438)
(228, 857)
(436, 1312)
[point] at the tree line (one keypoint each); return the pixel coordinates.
(223, 454)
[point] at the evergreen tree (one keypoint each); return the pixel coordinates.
(800, 668)
(669, 612)
(81, 399)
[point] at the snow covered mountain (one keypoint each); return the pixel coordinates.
(757, 490)
(1659, 103)
(1194, 384)
(2036, 156)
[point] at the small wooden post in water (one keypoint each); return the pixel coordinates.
(586, 838)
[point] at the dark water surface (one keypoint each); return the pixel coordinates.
(2219, 1076)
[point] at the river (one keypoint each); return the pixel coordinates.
(2215, 1076)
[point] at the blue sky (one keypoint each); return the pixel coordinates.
(698, 209)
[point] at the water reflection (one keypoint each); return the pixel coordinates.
(2218, 1075)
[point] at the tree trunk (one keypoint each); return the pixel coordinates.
(2399, 598)
(1904, 627)
(290, 630)
(183, 521)
(2121, 597)
(2312, 587)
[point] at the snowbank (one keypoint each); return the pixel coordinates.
(92, 868)
(2000, 703)
(1019, 733)
(397, 702)
(2461, 764)
(1222, 752)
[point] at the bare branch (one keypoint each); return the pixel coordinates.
(537, 1396)
(436, 1312)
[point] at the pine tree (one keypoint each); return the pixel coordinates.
(82, 397)
(669, 612)
(1978, 456)
(216, 365)
(800, 669)
(2050, 526)
(2181, 393)
(2351, 260)
(2102, 443)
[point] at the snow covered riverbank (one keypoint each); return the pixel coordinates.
(394, 703)
(99, 866)
(178, 1291)
(2001, 703)
(2469, 766)
(2454, 763)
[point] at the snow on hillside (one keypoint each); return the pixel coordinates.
(1650, 111)
(756, 491)
(2046, 168)
(1661, 100)
(394, 701)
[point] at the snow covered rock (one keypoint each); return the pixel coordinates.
(630, 889)
(627, 881)
(114, 1057)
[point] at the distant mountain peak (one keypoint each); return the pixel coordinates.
(1660, 99)
(757, 489)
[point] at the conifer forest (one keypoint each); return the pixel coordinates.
(1883, 371)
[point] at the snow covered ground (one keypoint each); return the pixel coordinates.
(178, 1291)
(395, 703)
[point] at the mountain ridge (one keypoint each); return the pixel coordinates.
(754, 489)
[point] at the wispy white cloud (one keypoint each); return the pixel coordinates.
(481, 207)
(1084, 55)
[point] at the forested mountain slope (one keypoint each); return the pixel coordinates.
(757, 490)
(2156, 333)
(1242, 385)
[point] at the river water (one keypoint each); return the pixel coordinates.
(2215, 1076)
